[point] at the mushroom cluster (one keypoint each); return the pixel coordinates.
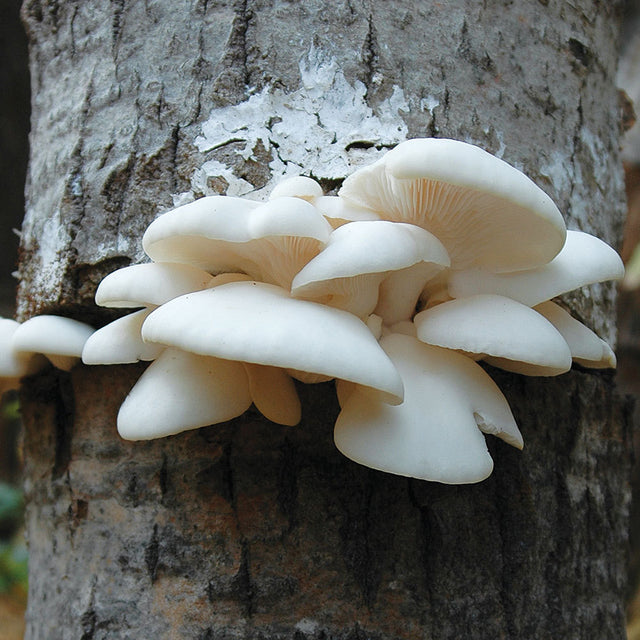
(433, 258)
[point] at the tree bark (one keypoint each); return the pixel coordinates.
(248, 529)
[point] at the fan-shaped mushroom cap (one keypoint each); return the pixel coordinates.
(435, 434)
(60, 339)
(261, 323)
(486, 213)
(14, 364)
(584, 259)
(587, 349)
(490, 325)
(181, 391)
(358, 256)
(297, 187)
(269, 241)
(120, 342)
(154, 283)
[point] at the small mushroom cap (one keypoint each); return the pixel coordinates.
(496, 326)
(14, 364)
(297, 187)
(584, 259)
(261, 323)
(60, 339)
(120, 342)
(486, 213)
(368, 248)
(587, 349)
(435, 434)
(218, 237)
(151, 284)
(181, 391)
(374, 246)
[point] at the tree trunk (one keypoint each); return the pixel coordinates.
(248, 529)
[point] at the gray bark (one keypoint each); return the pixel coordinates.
(250, 530)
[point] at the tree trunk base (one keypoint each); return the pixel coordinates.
(252, 530)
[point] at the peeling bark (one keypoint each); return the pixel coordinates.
(251, 530)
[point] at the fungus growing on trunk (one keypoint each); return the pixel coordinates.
(437, 255)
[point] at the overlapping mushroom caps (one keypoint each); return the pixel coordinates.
(435, 257)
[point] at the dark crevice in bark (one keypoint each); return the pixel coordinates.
(360, 553)
(89, 618)
(175, 142)
(288, 483)
(116, 26)
(132, 490)
(230, 87)
(163, 477)
(242, 585)
(65, 415)
(152, 554)
(370, 58)
(72, 31)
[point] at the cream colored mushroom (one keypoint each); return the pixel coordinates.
(180, 391)
(435, 434)
(260, 323)
(351, 271)
(151, 284)
(584, 259)
(59, 339)
(587, 349)
(270, 242)
(485, 212)
(499, 330)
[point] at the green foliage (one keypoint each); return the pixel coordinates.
(13, 552)
(13, 566)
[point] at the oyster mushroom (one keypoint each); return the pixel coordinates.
(587, 349)
(297, 187)
(584, 259)
(14, 364)
(260, 323)
(485, 212)
(269, 241)
(59, 339)
(357, 259)
(436, 433)
(151, 284)
(181, 391)
(499, 330)
(143, 285)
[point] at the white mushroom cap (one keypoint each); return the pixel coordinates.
(14, 364)
(358, 256)
(60, 339)
(274, 394)
(339, 211)
(297, 187)
(261, 323)
(150, 284)
(486, 213)
(490, 325)
(587, 349)
(435, 434)
(584, 259)
(269, 241)
(181, 391)
(120, 342)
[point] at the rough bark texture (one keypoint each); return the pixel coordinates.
(249, 530)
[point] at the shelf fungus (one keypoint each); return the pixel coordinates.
(433, 259)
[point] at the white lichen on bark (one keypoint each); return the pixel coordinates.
(324, 129)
